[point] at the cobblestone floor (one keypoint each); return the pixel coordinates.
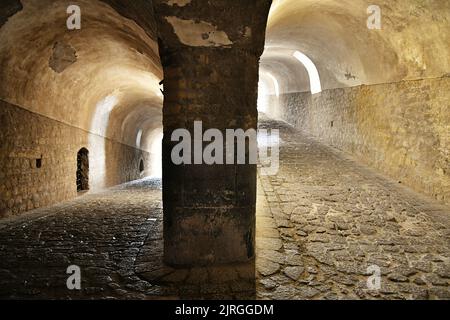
(322, 221)
(101, 233)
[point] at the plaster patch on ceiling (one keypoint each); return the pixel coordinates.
(180, 3)
(198, 34)
(63, 56)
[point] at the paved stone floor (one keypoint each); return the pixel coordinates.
(322, 221)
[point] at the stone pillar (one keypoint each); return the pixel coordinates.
(210, 52)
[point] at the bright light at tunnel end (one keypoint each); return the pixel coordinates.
(276, 85)
(314, 78)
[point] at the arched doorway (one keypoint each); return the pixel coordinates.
(83, 170)
(141, 167)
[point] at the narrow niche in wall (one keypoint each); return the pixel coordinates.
(141, 166)
(39, 163)
(83, 170)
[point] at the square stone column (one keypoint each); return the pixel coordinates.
(210, 53)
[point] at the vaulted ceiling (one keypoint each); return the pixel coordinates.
(105, 77)
(412, 43)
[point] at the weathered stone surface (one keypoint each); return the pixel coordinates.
(63, 56)
(209, 209)
(26, 186)
(96, 87)
(339, 200)
(293, 272)
(325, 220)
(266, 267)
(377, 127)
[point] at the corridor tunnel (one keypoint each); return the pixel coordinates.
(87, 117)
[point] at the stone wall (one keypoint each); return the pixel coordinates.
(28, 138)
(402, 129)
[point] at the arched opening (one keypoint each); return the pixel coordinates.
(141, 166)
(313, 73)
(156, 154)
(275, 83)
(83, 170)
